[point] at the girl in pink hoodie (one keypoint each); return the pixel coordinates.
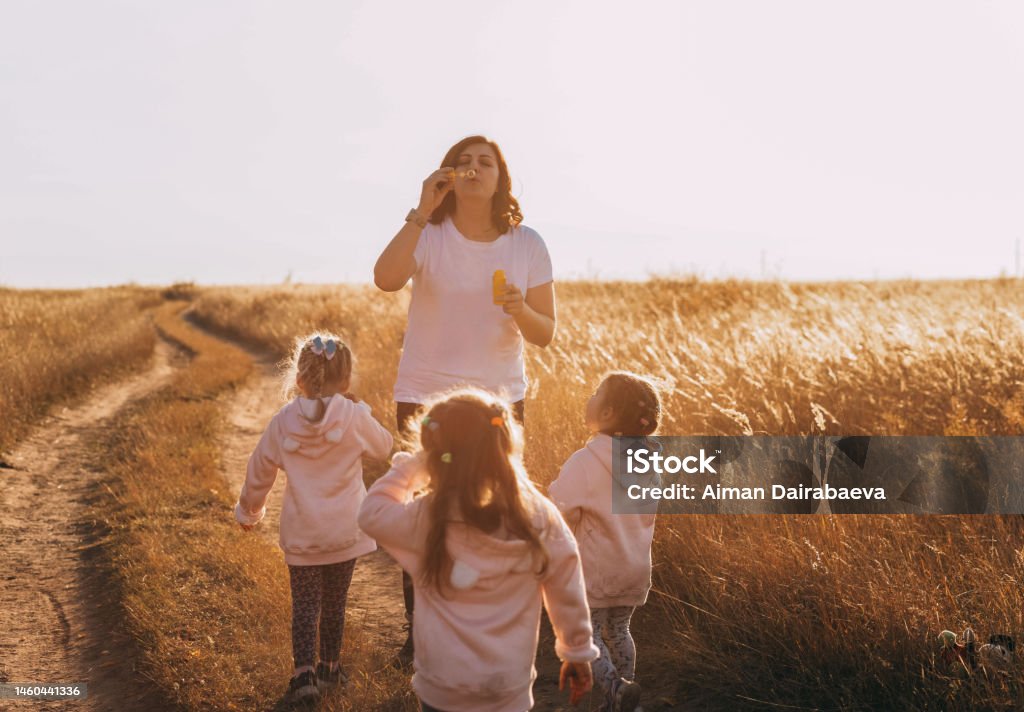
(319, 439)
(615, 548)
(485, 549)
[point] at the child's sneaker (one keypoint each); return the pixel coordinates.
(625, 696)
(328, 678)
(302, 687)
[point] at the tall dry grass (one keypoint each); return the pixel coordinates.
(370, 321)
(806, 612)
(56, 345)
(207, 603)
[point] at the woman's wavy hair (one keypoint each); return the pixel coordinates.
(505, 211)
(473, 452)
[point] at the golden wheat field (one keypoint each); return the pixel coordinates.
(55, 344)
(747, 612)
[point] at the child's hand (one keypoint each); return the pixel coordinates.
(513, 300)
(246, 527)
(580, 680)
(420, 475)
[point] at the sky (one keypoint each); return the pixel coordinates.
(251, 142)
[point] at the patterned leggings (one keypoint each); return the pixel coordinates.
(319, 594)
(618, 653)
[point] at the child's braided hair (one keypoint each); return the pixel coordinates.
(318, 360)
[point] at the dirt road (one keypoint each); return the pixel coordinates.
(57, 616)
(56, 623)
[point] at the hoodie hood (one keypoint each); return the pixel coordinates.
(302, 436)
(601, 446)
(480, 560)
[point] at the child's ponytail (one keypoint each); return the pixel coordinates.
(317, 360)
(473, 453)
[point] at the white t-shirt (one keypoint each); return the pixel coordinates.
(456, 334)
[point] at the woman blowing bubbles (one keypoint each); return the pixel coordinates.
(465, 327)
(466, 227)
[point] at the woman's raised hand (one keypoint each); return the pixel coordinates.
(435, 188)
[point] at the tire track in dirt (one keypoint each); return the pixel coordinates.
(57, 622)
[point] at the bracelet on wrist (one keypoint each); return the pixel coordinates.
(415, 216)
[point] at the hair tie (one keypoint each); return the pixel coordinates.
(446, 457)
(497, 420)
(326, 350)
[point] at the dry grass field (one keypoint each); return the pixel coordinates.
(811, 612)
(758, 612)
(55, 345)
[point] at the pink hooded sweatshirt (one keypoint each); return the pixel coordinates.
(615, 548)
(325, 478)
(475, 649)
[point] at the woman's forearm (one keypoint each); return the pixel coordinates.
(537, 328)
(396, 263)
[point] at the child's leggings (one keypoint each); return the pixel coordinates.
(618, 653)
(319, 594)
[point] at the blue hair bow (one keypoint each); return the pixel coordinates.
(326, 350)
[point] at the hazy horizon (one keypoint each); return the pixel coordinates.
(582, 278)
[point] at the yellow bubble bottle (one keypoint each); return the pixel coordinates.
(498, 286)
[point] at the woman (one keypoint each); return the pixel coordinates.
(467, 226)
